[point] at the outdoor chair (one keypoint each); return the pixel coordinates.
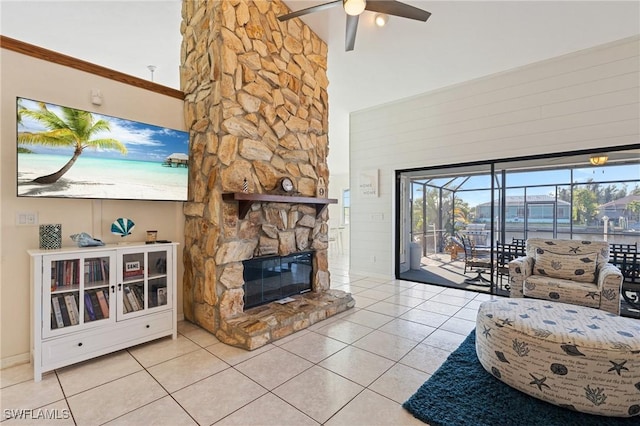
(615, 248)
(518, 241)
(626, 258)
(475, 258)
(569, 271)
(505, 253)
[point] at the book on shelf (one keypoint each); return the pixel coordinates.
(132, 298)
(138, 291)
(96, 270)
(68, 273)
(63, 309)
(97, 310)
(75, 271)
(73, 312)
(135, 274)
(65, 273)
(104, 305)
(54, 276)
(75, 301)
(87, 317)
(75, 304)
(88, 306)
(136, 303)
(104, 269)
(57, 312)
(59, 273)
(127, 304)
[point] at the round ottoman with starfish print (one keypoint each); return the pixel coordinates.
(580, 358)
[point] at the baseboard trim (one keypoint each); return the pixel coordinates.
(15, 360)
(371, 274)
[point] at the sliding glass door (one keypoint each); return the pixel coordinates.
(454, 217)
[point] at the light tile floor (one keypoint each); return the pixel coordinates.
(356, 368)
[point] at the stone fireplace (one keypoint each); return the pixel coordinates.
(256, 107)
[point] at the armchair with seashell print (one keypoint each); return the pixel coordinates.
(568, 271)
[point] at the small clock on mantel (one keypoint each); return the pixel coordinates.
(285, 185)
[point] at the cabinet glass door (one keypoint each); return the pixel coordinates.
(144, 281)
(134, 267)
(96, 289)
(157, 295)
(65, 293)
(76, 292)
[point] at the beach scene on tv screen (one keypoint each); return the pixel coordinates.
(72, 153)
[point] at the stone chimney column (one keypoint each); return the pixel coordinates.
(256, 106)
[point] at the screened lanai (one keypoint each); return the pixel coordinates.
(487, 208)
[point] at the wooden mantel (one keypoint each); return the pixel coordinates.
(245, 201)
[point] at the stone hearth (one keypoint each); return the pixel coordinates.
(256, 106)
(263, 324)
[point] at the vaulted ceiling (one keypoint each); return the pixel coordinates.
(462, 40)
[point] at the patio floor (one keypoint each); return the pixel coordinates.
(440, 270)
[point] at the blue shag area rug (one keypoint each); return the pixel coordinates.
(462, 392)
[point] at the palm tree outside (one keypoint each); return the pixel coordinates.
(72, 129)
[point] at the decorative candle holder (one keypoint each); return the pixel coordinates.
(152, 236)
(51, 236)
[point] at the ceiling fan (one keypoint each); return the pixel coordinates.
(354, 8)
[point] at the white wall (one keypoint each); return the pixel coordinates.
(32, 78)
(587, 99)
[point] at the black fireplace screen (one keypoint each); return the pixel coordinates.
(273, 278)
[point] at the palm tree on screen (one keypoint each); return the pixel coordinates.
(73, 129)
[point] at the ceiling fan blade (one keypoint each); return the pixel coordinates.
(395, 8)
(352, 27)
(308, 10)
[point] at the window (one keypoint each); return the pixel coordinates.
(346, 202)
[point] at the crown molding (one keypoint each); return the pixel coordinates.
(69, 61)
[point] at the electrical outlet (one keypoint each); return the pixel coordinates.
(32, 218)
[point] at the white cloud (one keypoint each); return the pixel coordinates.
(129, 133)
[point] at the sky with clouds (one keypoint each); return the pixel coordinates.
(144, 142)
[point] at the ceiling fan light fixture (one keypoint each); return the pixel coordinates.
(354, 7)
(598, 159)
(381, 19)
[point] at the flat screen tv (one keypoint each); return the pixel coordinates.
(70, 153)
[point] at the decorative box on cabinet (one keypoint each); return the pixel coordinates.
(91, 301)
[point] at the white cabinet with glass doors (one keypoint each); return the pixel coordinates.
(91, 301)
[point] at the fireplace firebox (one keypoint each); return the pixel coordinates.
(271, 278)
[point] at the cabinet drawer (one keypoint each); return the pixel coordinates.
(80, 346)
